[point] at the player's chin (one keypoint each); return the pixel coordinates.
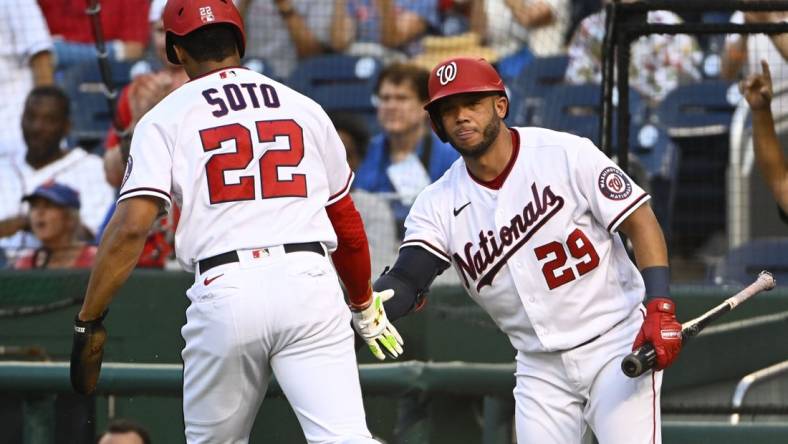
(465, 148)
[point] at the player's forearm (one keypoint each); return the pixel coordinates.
(648, 242)
(769, 155)
(118, 253)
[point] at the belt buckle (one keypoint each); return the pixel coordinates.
(259, 253)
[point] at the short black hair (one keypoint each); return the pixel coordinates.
(356, 127)
(399, 73)
(127, 426)
(209, 43)
(54, 92)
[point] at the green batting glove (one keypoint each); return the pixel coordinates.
(374, 327)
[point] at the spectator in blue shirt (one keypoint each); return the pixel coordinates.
(407, 156)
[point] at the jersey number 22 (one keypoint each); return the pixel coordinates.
(270, 184)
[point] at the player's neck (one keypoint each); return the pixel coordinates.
(197, 69)
(491, 164)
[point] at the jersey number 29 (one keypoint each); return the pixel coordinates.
(270, 183)
(579, 247)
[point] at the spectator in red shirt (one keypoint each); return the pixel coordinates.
(135, 100)
(123, 22)
(54, 220)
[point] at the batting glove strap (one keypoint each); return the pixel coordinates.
(663, 305)
(85, 327)
(376, 330)
(87, 353)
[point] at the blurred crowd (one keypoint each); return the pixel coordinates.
(57, 191)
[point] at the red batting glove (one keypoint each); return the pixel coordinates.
(662, 330)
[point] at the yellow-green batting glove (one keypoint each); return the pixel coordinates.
(374, 327)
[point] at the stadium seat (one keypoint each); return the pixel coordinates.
(698, 117)
(742, 264)
(529, 89)
(90, 110)
(577, 109)
(261, 66)
(340, 83)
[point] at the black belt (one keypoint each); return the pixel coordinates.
(232, 256)
(585, 343)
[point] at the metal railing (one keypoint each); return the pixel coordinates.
(749, 381)
(493, 383)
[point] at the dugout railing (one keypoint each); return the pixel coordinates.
(464, 408)
(492, 382)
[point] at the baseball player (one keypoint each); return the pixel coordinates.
(262, 182)
(529, 217)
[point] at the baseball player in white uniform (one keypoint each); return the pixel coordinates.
(262, 182)
(528, 219)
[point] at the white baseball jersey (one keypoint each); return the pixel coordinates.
(226, 148)
(539, 254)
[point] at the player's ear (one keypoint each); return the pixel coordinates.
(180, 53)
(501, 106)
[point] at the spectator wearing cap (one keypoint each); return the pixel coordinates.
(45, 124)
(54, 221)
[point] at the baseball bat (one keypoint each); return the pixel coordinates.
(644, 358)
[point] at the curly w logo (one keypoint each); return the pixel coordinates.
(447, 73)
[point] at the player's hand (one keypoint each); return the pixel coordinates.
(757, 88)
(374, 327)
(87, 352)
(662, 330)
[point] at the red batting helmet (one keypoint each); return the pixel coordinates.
(184, 16)
(460, 75)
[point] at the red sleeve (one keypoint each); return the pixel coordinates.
(351, 257)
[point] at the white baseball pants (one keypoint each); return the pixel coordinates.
(560, 394)
(270, 314)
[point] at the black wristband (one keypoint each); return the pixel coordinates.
(82, 325)
(657, 281)
(288, 13)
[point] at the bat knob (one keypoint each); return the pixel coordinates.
(639, 361)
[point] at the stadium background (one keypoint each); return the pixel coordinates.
(690, 146)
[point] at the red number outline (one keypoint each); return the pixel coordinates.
(271, 185)
(578, 251)
(219, 190)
